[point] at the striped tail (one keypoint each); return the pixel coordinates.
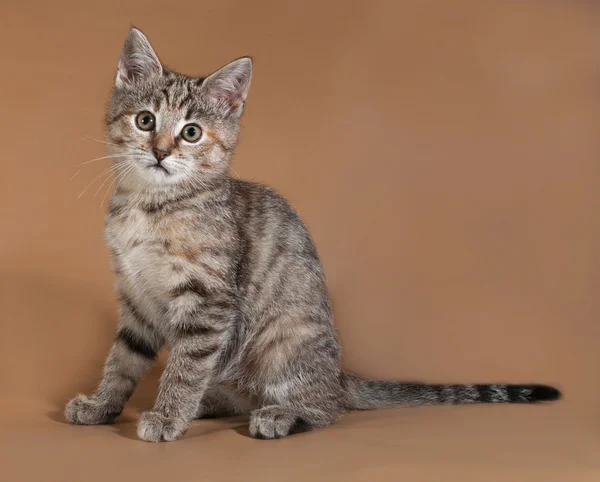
(366, 394)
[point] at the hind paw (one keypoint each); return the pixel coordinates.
(272, 422)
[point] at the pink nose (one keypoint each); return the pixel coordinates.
(160, 154)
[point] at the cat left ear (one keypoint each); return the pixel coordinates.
(228, 87)
(138, 60)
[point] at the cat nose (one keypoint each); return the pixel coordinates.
(160, 154)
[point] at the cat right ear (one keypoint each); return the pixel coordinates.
(228, 87)
(138, 60)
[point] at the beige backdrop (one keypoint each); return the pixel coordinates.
(444, 155)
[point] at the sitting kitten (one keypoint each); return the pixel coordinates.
(225, 272)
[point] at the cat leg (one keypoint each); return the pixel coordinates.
(276, 421)
(199, 326)
(132, 353)
(311, 399)
(296, 372)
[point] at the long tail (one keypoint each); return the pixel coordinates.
(366, 394)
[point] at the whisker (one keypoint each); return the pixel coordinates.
(112, 183)
(103, 142)
(108, 171)
(119, 168)
(118, 180)
(186, 164)
(107, 191)
(109, 156)
(196, 178)
(112, 156)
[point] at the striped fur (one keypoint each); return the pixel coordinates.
(372, 394)
(223, 271)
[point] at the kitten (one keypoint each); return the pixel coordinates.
(225, 272)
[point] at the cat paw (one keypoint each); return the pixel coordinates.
(272, 422)
(83, 410)
(155, 427)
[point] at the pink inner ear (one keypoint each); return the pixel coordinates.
(234, 99)
(228, 87)
(123, 76)
(229, 96)
(126, 74)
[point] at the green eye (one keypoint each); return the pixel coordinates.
(145, 121)
(191, 132)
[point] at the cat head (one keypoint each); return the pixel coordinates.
(168, 129)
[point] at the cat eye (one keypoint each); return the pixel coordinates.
(145, 121)
(191, 133)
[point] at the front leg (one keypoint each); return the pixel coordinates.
(200, 321)
(135, 348)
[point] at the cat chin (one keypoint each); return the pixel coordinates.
(152, 176)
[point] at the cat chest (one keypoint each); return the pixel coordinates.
(150, 257)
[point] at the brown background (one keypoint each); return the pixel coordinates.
(443, 153)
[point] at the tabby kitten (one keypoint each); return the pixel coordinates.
(224, 271)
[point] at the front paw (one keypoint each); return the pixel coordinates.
(88, 411)
(155, 427)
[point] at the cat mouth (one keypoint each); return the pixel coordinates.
(159, 167)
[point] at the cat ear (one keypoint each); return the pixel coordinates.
(138, 60)
(228, 87)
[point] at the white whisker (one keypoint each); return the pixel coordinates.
(104, 173)
(118, 180)
(196, 178)
(111, 156)
(119, 168)
(103, 142)
(186, 165)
